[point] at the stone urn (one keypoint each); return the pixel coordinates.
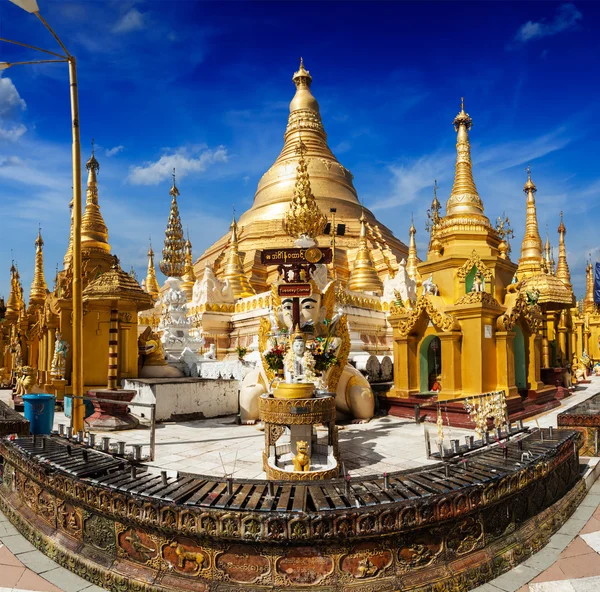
(111, 417)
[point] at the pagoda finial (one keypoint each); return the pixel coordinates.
(39, 289)
(304, 217)
(173, 261)
(464, 198)
(151, 283)
(412, 260)
(189, 277)
(233, 268)
(94, 233)
(364, 277)
(532, 257)
(562, 267)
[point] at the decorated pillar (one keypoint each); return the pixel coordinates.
(113, 349)
(451, 365)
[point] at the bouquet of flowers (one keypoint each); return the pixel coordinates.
(274, 357)
(323, 350)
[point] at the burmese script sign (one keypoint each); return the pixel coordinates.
(294, 290)
(291, 256)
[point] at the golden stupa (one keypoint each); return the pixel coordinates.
(261, 227)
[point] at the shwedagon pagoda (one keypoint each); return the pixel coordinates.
(308, 317)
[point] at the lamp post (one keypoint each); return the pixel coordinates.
(31, 6)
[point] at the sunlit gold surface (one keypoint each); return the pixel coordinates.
(303, 218)
(233, 270)
(364, 277)
(173, 261)
(562, 267)
(413, 259)
(151, 282)
(39, 289)
(189, 277)
(94, 234)
(294, 390)
(13, 303)
(530, 262)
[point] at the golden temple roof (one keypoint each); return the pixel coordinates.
(531, 259)
(94, 233)
(363, 277)
(39, 288)
(464, 198)
(303, 218)
(553, 292)
(116, 285)
(233, 270)
(413, 259)
(331, 182)
(173, 261)
(13, 304)
(562, 267)
(151, 283)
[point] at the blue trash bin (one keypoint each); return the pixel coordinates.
(68, 403)
(39, 410)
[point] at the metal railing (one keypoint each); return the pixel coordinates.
(106, 444)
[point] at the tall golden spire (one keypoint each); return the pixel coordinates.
(364, 276)
(530, 262)
(39, 289)
(464, 198)
(68, 258)
(413, 260)
(151, 282)
(13, 304)
(233, 270)
(303, 218)
(548, 256)
(94, 234)
(189, 277)
(173, 261)
(562, 268)
(588, 302)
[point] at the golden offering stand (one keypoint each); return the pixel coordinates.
(294, 450)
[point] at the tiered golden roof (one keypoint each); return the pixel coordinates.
(413, 259)
(304, 218)
(173, 261)
(151, 283)
(116, 285)
(94, 233)
(233, 270)
(39, 288)
(530, 262)
(364, 277)
(562, 267)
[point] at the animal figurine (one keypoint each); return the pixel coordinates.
(301, 460)
(429, 287)
(478, 282)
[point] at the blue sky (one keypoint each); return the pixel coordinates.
(205, 87)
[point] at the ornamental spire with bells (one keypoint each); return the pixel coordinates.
(303, 218)
(530, 262)
(94, 233)
(151, 283)
(413, 259)
(562, 267)
(233, 269)
(189, 277)
(364, 276)
(39, 288)
(173, 261)
(464, 198)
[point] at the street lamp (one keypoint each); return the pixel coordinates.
(31, 6)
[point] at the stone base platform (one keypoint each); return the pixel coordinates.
(183, 399)
(443, 527)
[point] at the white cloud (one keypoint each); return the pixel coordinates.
(567, 16)
(114, 151)
(133, 20)
(183, 160)
(12, 133)
(10, 101)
